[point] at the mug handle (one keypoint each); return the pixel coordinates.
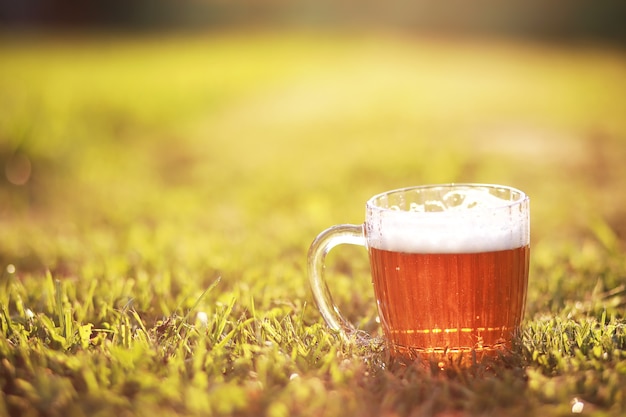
(351, 234)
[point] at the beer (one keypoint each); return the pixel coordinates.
(449, 302)
(449, 265)
(449, 271)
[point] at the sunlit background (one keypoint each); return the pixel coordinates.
(229, 124)
(553, 18)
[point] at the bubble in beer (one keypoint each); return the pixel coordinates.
(453, 201)
(454, 198)
(468, 199)
(458, 220)
(434, 205)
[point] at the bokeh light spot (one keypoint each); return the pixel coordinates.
(577, 406)
(18, 169)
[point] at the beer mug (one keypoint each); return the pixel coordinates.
(449, 267)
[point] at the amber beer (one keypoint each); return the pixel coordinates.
(449, 265)
(450, 303)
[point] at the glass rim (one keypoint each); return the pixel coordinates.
(521, 196)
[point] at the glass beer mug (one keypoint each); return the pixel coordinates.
(449, 265)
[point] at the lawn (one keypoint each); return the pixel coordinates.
(159, 194)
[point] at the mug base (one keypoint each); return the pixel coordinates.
(451, 358)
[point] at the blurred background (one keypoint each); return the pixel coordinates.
(561, 19)
(189, 134)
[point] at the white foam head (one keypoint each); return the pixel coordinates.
(454, 218)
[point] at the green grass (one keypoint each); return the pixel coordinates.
(153, 257)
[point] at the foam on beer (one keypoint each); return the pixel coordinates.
(463, 221)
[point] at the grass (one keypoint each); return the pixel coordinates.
(159, 194)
